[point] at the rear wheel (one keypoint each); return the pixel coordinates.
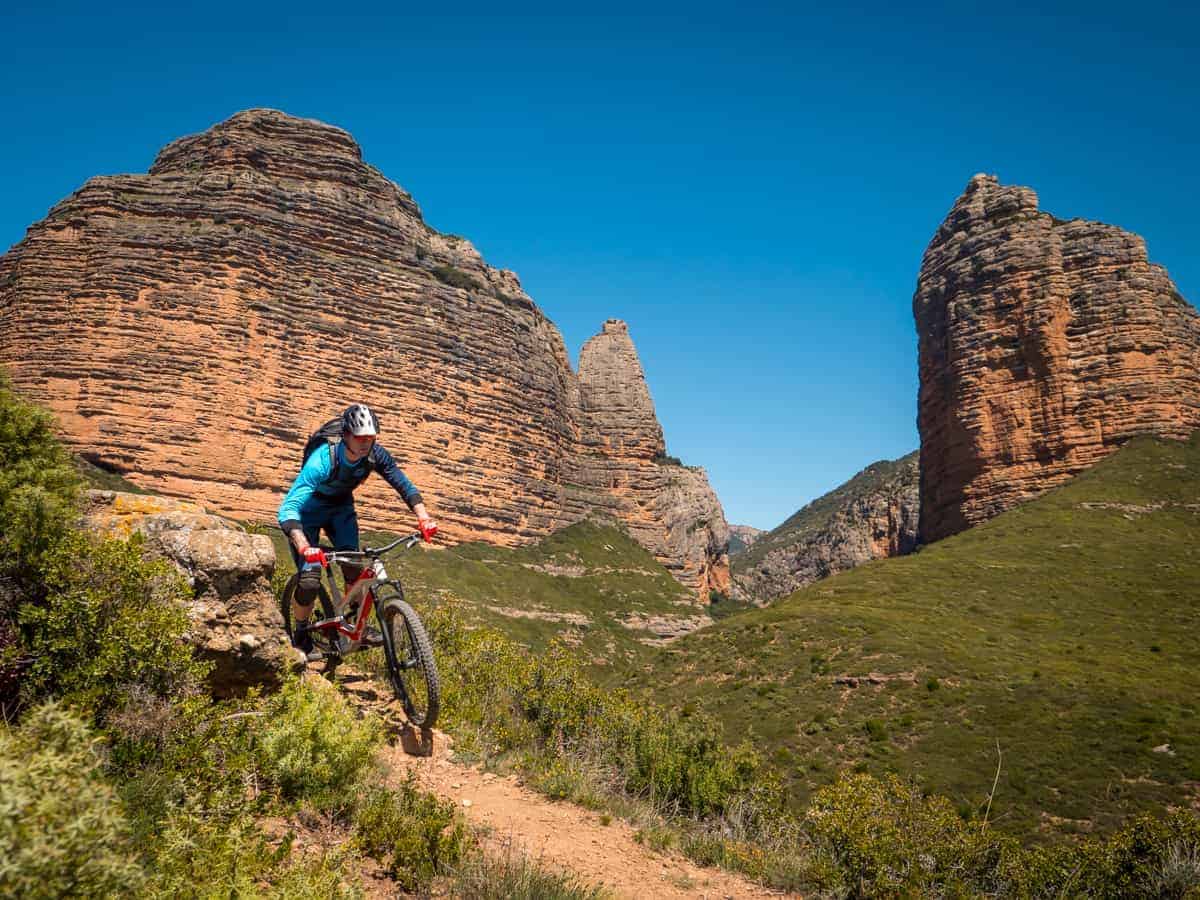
(409, 655)
(325, 641)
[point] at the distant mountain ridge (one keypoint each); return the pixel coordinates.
(873, 515)
(742, 536)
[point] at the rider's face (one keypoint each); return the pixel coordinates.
(357, 446)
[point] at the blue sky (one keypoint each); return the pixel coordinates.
(751, 187)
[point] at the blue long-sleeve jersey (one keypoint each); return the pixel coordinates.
(322, 481)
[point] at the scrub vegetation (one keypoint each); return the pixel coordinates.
(120, 777)
(1056, 642)
(901, 676)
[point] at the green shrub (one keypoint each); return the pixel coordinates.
(884, 837)
(39, 487)
(514, 876)
(505, 699)
(887, 838)
(195, 777)
(62, 829)
(1149, 857)
(875, 729)
(110, 620)
(93, 617)
(198, 856)
(415, 834)
(167, 755)
(456, 278)
(312, 745)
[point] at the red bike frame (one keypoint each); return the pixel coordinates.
(338, 623)
(372, 572)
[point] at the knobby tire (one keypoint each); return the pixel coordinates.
(409, 655)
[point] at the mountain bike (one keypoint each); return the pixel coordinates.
(343, 626)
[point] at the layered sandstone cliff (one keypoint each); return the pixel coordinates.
(872, 516)
(192, 325)
(1044, 344)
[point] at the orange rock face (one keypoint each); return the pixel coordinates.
(191, 326)
(1044, 344)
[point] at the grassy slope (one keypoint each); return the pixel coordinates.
(1067, 633)
(104, 480)
(815, 516)
(619, 577)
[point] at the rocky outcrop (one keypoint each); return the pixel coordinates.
(191, 326)
(1044, 345)
(236, 623)
(741, 537)
(670, 509)
(872, 516)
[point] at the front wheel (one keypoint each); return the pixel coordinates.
(409, 657)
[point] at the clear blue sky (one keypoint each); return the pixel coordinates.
(751, 187)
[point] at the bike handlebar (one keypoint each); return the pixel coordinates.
(409, 541)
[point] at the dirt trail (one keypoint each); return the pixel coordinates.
(560, 834)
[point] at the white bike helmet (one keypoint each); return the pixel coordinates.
(358, 420)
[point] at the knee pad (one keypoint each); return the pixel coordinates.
(308, 586)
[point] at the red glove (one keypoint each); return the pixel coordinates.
(428, 529)
(314, 556)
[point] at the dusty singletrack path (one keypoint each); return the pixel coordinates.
(560, 835)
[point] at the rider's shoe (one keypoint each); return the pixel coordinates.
(372, 637)
(302, 641)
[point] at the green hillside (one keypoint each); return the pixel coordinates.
(589, 584)
(1065, 631)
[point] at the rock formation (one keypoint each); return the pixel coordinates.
(1044, 344)
(621, 463)
(236, 622)
(872, 516)
(741, 537)
(191, 326)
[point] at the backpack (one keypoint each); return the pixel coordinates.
(329, 435)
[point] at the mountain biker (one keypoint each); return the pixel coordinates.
(322, 498)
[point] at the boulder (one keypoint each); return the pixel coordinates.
(236, 622)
